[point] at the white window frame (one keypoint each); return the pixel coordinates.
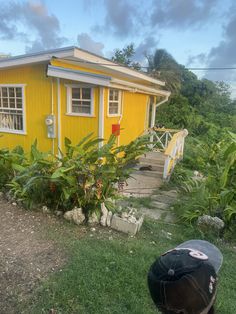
(23, 131)
(119, 103)
(69, 100)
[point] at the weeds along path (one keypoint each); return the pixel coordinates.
(26, 256)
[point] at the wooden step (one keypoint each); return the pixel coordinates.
(154, 167)
(148, 173)
(152, 161)
(155, 155)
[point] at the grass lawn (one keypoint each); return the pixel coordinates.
(106, 271)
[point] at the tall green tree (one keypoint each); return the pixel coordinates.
(125, 56)
(163, 66)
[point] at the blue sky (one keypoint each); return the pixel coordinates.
(198, 33)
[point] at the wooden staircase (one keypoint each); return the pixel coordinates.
(156, 166)
(155, 161)
(144, 182)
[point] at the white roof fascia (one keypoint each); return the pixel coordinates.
(105, 63)
(78, 55)
(36, 57)
(79, 76)
(138, 87)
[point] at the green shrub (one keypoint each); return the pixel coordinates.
(216, 193)
(10, 162)
(85, 176)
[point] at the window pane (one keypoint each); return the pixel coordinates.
(10, 99)
(111, 94)
(75, 109)
(5, 102)
(81, 106)
(12, 102)
(4, 92)
(114, 94)
(113, 108)
(18, 92)
(86, 93)
(11, 92)
(18, 103)
(76, 93)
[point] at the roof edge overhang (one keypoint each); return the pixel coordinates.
(116, 67)
(38, 57)
(134, 87)
(102, 80)
(79, 76)
(82, 57)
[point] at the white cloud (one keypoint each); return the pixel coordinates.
(19, 19)
(87, 43)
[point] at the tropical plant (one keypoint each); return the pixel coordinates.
(10, 163)
(216, 193)
(88, 176)
(84, 176)
(31, 184)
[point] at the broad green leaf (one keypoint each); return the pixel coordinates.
(18, 167)
(84, 139)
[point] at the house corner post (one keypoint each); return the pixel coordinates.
(59, 116)
(101, 116)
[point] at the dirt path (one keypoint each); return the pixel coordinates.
(26, 257)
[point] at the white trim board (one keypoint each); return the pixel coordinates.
(79, 56)
(78, 76)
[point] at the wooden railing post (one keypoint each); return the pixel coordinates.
(171, 145)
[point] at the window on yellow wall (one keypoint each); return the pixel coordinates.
(80, 100)
(12, 108)
(114, 102)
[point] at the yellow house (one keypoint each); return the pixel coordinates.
(70, 92)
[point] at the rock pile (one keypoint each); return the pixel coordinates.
(126, 221)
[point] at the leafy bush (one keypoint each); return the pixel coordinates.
(10, 162)
(85, 176)
(216, 193)
(31, 184)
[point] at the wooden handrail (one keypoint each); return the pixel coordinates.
(174, 152)
(157, 129)
(171, 143)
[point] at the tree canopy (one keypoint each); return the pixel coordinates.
(200, 105)
(124, 56)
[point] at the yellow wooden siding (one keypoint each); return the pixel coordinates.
(62, 64)
(37, 105)
(132, 122)
(76, 127)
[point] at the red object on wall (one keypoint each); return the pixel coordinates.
(116, 129)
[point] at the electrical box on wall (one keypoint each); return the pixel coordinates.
(50, 124)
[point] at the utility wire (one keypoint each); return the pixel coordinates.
(162, 69)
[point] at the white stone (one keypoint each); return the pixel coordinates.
(124, 215)
(109, 218)
(212, 222)
(45, 210)
(140, 222)
(59, 213)
(76, 215)
(93, 219)
(125, 226)
(104, 211)
(132, 219)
